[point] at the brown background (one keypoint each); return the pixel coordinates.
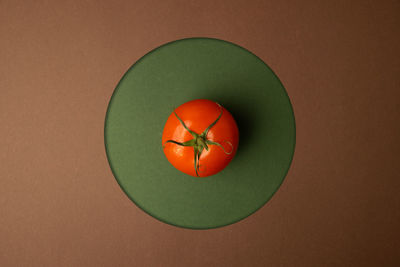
(59, 64)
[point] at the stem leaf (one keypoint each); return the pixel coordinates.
(218, 144)
(187, 143)
(184, 125)
(204, 134)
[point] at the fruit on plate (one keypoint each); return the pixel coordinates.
(200, 138)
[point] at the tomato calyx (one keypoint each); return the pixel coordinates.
(200, 141)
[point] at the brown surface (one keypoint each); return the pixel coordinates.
(59, 64)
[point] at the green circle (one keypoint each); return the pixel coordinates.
(199, 68)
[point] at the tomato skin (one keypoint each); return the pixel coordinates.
(198, 115)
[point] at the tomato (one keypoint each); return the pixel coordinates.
(200, 138)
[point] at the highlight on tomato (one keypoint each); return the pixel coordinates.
(200, 138)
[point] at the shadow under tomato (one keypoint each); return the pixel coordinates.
(243, 118)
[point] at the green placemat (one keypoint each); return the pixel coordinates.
(172, 75)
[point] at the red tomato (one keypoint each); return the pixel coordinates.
(200, 138)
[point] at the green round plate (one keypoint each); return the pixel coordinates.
(171, 75)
